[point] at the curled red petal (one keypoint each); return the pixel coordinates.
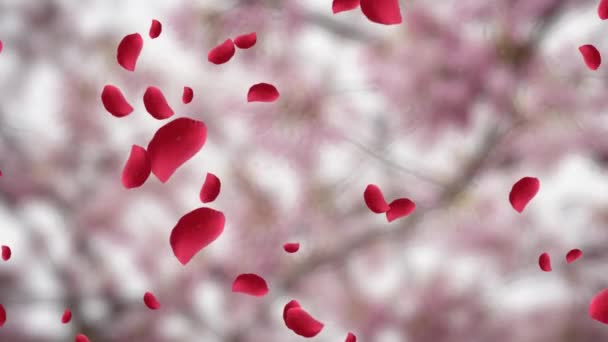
(210, 189)
(128, 51)
(66, 317)
(523, 192)
(137, 168)
(187, 95)
(292, 304)
(591, 56)
(151, 301)
(573, 255)
(544, 261)
(291, 247)
(344, 5)
(174, 144)
(81, 338)
(598, 308)
(302, 323)
(195, 231)
(374, 199)
(2, 315)
(156, 104)
(602, 9)
(351, 337)
(385, 12)
(6, 253)
(400, 208)
(251, 284)
(222, 53)
(114, 101)
(155, 29)
(246, 41)
(262, 92)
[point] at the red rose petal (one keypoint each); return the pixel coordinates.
(174, 144)
(222, 53)
(211, 188)
(155, 29)
(151, 301)
(156, 104)
(137, 168)
(66, 317)
(302, 323)
(385, 12)
(292, 304)
(544, 261)
(194, 231)
(375, 200)
(591, 55)
(351, 337)
(1, 46)
(187, 95)
(598, 309)
(602, 9)
(246, 41)
(291, 247)
(262, 92)
(6, 253)
(114, 101)
(128, 51)
(573, 255)
(2, 315)
(81, 338)
(400, 208)
(344, 5)
(522, 192)
(251, 284)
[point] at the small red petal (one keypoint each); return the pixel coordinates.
(222, 53)
(151, 301)
(591, 55)
(292, 304)
(114, 101)
(156, 104)
(155, 28)
(400, 208)
(302, 323)
(6, 253)
(598, 309)
(251, 284)
(544, 261)
(573, 255)
(211, 188)
(137, 168)
(174, 144)
(1, 46)
(262, 92)
(523, 192)
(66, 317)
(385, 12)
(246, 41)
(375, 200)
(81, 338)
(195, 231)
(2, 315)
(128, 51)
(344, 5)
(351, 337)
(187, 95)
(602, 9)
(291, 247)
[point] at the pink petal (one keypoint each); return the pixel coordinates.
(291, 247)
(591, 55)
(137, 168)
(292, 304)
(246, 41)
(262, 92)
(151, 301)
(375, 200)
(251, 284)
(128, 51)
(195, 231)
(114, 101)
(187, 95)
(2, 315)
(598, 309)
(81, 338)
(544, 261)
(155, 29)
(1, 46)
(6, 253)
(400, 208)
(222, 53)
(351, 337)
(211, 188)
(573, 255)
(602, 9)
(156, 104)
(385, 12)
(66, 317)
(344, 5)
(174, 144)
(302, 323)
(523, 192)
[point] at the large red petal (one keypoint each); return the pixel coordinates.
(194, 231)
(114, 101)
(251, 284)
(598, 309)
(156, 104)
(151, 301)
(155, 29)
(302, 323)
(137, 168)
(128, 51)
(591, 55)
(344, 5)
(246, 41)
(374, 199)
(385, 12)
(400, 208)
(66, 317)
(210, 189)
(544, 261)
(222, 53)
(523, 192)
(6, 253)
(262, 92)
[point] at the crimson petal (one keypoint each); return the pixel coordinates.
(375, 200)
(385, 12)
(195, 231)
(523, 192)
(400, 208)
(156, 104)
(6, 253)
(187, 95)
(128, 51)
(114, 101)
(262, 92)
(210, 189)
(155, 29)
(544, 261)
(591, 56)
(66, 317)
(151, 301)
(222, 53)
(81, 338)
(291, 247)
(351, 337)
(246, 41)
(251, 284)
(602, 9)
(137, 168)
(573, 255)
(344, 5)
(302, 323)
